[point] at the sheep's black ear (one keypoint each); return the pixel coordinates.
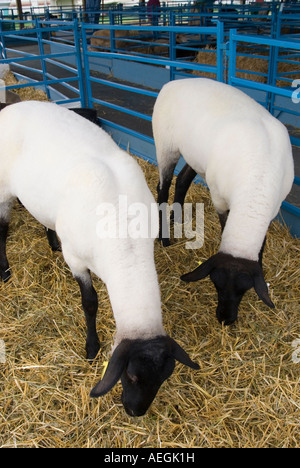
(180, 355)
(261, 289)
(201, 271)
(114, 369)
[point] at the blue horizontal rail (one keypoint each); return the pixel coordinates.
(287, 44)
(39, 57)
(40, 83)
(153, 61)
(144, 92)
(294, 210)
(176, 29)
(140, 115)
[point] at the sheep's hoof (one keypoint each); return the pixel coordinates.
(165, 241)
(53, 240)
(56, 248)
(5, 274)
(92, 350)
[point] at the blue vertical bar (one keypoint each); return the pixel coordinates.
(274, 16)
(112, 32)
(79, 62)
(272, 73)
(42, 53)
(172, 45)
(220, 51)
(89, 97)
(232, 56)
(273, 58)
(278, 21)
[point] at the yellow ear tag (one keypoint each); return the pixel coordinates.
(104, 365)
(199, 262)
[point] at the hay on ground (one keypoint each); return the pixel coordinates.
(29, 93)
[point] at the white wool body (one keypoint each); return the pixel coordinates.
(242, 151)
(62, 168)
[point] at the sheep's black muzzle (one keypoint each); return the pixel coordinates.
(227, 313)
(136, 408)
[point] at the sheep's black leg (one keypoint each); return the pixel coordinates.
(90, 306)
(260, 256)
(183, 182)
(162, 200)
(4, 267)
(52, 239)
(223, 218)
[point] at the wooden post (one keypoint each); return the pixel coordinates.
(20, 12)
(84, 16)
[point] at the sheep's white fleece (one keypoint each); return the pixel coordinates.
(243, 152)
(62, 167)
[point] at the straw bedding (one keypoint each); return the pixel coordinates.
(246, 393)
(25, 94)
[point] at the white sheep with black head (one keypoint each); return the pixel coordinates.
(63, 169)
(245, 155)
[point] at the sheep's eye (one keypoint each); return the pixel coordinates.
(133, 378)
(244, 282)
(219, 277)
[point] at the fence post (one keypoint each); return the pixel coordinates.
(220, 51)
(112, 31)
(274, 19)
(88, 86)
(42, 53)
(278, 22)
(172, 45)
(232, 56)
(272, 73)
(79, 62)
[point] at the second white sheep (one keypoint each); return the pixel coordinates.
(245, 155)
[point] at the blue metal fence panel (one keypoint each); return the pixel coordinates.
(81, 75)
(126, 65)
(289, 212)
(28, 55)
(248, 17)
(173, 65)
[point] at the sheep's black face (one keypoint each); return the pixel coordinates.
(232, 277)
(142, 365)
(147, 369)
(231, 285)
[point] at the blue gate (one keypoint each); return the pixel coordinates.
(28, 53)
(63, 58)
